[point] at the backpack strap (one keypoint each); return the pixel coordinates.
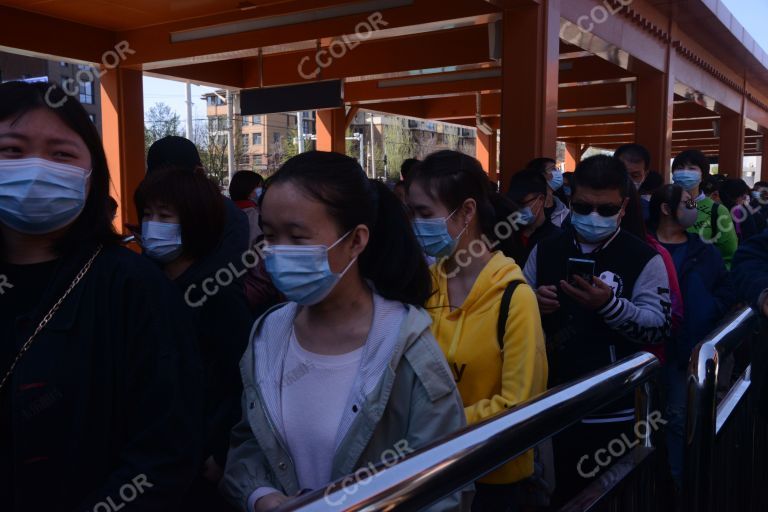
(713, 220)
(506, 300)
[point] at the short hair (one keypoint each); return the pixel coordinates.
(731, 190)
(196, 200)
(94, 224)
(634, 153)
(692, 157)
(243, 184)
(601, 172)
(173, 151)
(540, 164)
(760, 184)
(711, 183)
(407, 166)
(652, 183)
(525, 182)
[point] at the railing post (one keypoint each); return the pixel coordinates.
(644, 403)
(698, 476)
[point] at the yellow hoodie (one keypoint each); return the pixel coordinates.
(488, 382)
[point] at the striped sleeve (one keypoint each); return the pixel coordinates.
(647, 317)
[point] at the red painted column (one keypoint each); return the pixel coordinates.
(530, 66)
(654, 116)
(485, 152)
(572, 156)
(731, 144)
(122, 122)
(331, 129)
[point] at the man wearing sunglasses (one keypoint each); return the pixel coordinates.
(589, 325)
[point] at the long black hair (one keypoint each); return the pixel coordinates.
(94, 224)
(393, 259)
(670, 195)
(452, 177)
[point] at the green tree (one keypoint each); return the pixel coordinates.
(399, 145)
(160, 121)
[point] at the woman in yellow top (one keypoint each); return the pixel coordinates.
(456, 222)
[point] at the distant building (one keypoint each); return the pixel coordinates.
(259, 139)
(31, 69)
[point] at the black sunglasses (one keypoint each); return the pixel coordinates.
(604, 210)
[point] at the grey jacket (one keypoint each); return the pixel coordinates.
(414, 403)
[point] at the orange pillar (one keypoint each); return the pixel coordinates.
(572, 156)
(731, 144)
(530, 63)
(653, 118)
(485, 152)
(331, 130)
(122, 127)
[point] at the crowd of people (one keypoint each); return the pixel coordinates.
(259, 346)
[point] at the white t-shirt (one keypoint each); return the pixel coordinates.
(315, 390)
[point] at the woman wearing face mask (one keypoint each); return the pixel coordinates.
(714, 223)
(707, 295)
(554, 206)
(496, 364)
(245, 190)
(347, 371)
(98, 373)
(182, 219)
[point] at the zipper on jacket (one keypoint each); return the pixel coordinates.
(274, 430)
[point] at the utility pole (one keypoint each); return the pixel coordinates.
(189, 110)
(373, 156)
(300, 131)
(230, 135)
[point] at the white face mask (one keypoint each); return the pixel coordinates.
(38, 196)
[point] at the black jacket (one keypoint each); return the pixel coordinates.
(122, 365)
(222, 323)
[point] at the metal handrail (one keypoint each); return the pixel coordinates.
(446, 466)
(702, 414)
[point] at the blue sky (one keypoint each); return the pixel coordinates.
(752, 14)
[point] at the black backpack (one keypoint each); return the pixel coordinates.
(506, 300)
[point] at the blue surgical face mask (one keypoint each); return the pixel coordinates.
(256, 195)
(755, 194)
(527, 217)
(302, 272)
(557, 179)
(38, 196)
(161, 241)
(434, 237)
(594, 228)
(686, 178)
(567, 190)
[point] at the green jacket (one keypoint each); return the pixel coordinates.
(413, 404)
(726, 240)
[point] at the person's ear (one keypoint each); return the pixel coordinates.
(468, 211)
(666, 210)
(623, 210)
(358, 240)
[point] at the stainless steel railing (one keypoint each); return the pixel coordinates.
(705, 418)
(446, 466)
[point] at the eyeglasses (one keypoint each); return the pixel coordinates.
(691, 204)
(604, 210)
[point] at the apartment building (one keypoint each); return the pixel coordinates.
(80, 79)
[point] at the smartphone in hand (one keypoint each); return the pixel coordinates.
(583, 268)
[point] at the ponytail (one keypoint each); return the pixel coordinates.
(393, 260)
